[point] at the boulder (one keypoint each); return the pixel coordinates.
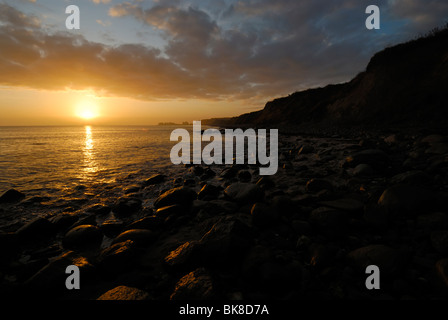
(209, 192)
(386, 258)
(376, 158)
(263, 215)
(51, 278)
(12, 195)
(242, 192)
(225, 242)
(196, 285)
(141, 237)
(124, 293)
(117, 257)
(183, 196)
(150, 223)
(183, 256)
(442, 271)
(407, 200)
(154, 179)
(36, 229)
(82, 237)
(328, 221)
(439, 240)
(317, 185)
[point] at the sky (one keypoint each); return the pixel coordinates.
(143, 62)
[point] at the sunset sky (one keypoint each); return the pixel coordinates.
(144, 62)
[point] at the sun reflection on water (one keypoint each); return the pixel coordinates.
(90, 165)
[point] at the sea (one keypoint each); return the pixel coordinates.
(60, 166)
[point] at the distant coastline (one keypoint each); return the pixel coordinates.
(185, 123)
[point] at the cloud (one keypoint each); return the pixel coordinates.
(254, 49)
(101, 1)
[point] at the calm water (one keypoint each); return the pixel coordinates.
(34, 159)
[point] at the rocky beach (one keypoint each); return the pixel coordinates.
(338, 203)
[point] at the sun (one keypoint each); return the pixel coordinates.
(87, 110)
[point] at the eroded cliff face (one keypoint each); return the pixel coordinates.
(402, 85)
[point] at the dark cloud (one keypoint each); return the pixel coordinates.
(255, 49)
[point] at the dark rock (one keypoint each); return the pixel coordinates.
(362, 170)
(442, 271)
(439, 240)
(306, 149)
(140, 237)
(244, 192)
(183, 256)
(111, 228)
(197, 285)
(82, 237)
(38, 228)
(263, 215)
(209, 192)
(317, 185)
(376, 158)
(150, 223)
(99, 209)
(386, 258)
(244, 176)
(376, 216)
(117, 257)
(183, 196)
(406, 200)
(123, 293)
(9, 246)
(225, 242)
(329, 221)
(433, 221)
(229, 173)
(127, 206)
(155, 179)
(265, 183)
(64, 221)
(173, 210)
(301, 227)
(350, 205)
(414, 177)
(51, 278)
(11, 195)
(322, 255)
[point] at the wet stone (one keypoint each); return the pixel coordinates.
(442, 271)
(82, 237)
(183, 256)
(197, 285)
(329, 221)
(385, 257)
(209, 192)
(140, 237)
(123, 293)
(439, 240)
(351, 205)
(244, 192)
(317, 185)
(263, 215)
(155, 179)
(183, 196)
(118, 256)
(150, 223)
(11, 195)
(38, 228)
(406, 200)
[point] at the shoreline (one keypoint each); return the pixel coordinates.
(224, 232)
